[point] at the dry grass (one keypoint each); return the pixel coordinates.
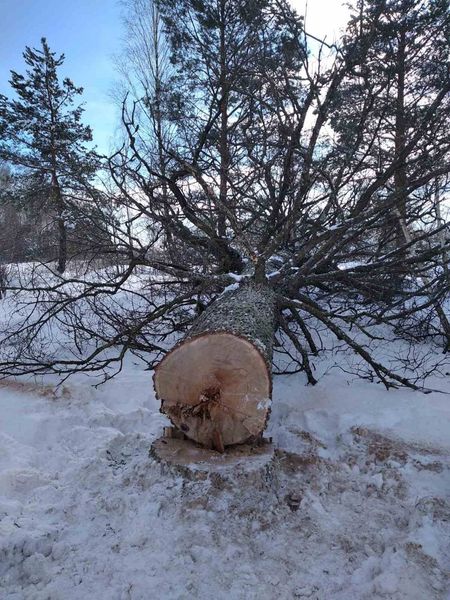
(27, 387)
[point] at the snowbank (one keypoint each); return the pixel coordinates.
(359, 507)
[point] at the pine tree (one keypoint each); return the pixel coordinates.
(43, 136)
(403, 70)
(399, 92)
(231, 60)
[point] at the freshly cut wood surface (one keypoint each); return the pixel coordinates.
(215, 386)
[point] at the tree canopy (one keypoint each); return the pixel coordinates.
(252, 151)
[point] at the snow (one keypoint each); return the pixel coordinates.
(264, 404)
(273, 274)
(230, 288)
(349, 265)
(358, 505)
(235, 276)
(233, 286)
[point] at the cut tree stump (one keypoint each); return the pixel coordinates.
(253, 464)
(216, 384)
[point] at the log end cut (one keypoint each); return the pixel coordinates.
(216, 388)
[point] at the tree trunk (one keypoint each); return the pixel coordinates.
(62, 232)
(216, 384)
(3, 280)
(224, 150)
(62, 245)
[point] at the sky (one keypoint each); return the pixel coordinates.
(90, 32)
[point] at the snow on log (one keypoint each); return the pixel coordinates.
(216, 384)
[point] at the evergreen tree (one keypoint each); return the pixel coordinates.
(392, 114)
(231, 61)
(43, 136)
(385, 99)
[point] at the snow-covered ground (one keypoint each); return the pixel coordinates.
(85, 513)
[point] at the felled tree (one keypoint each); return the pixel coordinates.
(43, 137)
(216, 384)
(257, 192)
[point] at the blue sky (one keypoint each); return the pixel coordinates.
(89, 32)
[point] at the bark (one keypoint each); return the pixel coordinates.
(216, 384)
(223, 148)
(62, 245)
(62, 232)
(3, 281)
